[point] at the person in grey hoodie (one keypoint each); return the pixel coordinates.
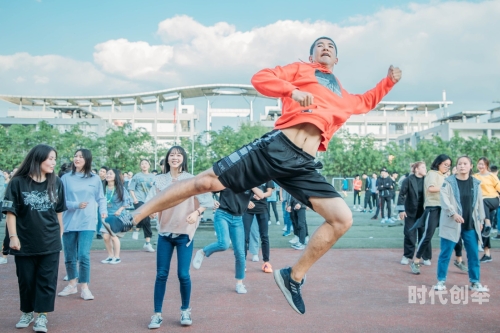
(84, 194)
(462, 213)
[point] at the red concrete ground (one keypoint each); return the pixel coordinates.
(346, 291)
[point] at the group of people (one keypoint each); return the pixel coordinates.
(463, 204)
(315, 105)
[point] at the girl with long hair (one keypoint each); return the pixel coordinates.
(177, 226)
(490, 186)
(84, 194)
(117, 199)
(461, 215)
(432, 205)
(411, 207)
(34, 204)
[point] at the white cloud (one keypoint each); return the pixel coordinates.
(448, 45)
(55, 75)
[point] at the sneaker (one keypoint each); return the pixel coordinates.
(363, 211)
(198, 258)
(370, 211)
(440, 286)
(3, 260)
(426, 262)
(107, 260)
(461, 266)
(156, 321)
(40, 324)
(186, 317)
(98, 236)
(65, 278)
(255, 258)
(294, 240)
(269, 222)
(86, 294)
(277, 222)
(148, 248)
(267, 268)
(389, 221)
(478, 287)
(415, 267)
(115, 261)
(26, 319)
(240, 288)
(286, 234)
(486, 231)
(306, 240)
(405, 261)
(373, 218)
(290, 289)
(383, 221)
(68, 290)
(284, 228)
(298, 246)
(486, 258)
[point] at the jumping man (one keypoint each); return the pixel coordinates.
(315, 106)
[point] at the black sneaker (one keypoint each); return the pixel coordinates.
(486, 231)
(497, 237)
(486, 258)
(290, 289)
(98, 236)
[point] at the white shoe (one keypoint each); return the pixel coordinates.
(298, 246)
(240, 288)
(115, 261)
(306, 241)
(255, 258)
(156, 321)
(65, 278)
(478, 287)
(383, 221)
(107, 260)
(294, 240)
(405, 261)
(148, 248)
(284, 228)
(440, 286)
(277, 222)
(268, 222)
(186, 317)
(86, 294)
(426, 262)
(198, 258)
(4, 260)
(26, 319)
(68, 290)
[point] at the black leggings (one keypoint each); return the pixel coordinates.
(298, 217)
(262, 220)
(272, 204)
(490, 205)
(356, 195)
(383, 200)
(145, 223)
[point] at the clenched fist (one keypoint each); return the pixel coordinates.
(394, 73)
(302, 97)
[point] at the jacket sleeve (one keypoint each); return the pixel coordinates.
(363, 103)
(445, 194)
(276, 82)
(403, 192)
(482, 214)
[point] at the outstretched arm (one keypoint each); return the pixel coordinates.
(366, 102)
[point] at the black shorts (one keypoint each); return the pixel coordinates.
(274, 157)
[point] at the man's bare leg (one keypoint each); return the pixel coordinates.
(338, 219)
(173, 195)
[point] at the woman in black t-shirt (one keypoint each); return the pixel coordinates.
(34, 202)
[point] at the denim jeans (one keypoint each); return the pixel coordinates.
(76, 246)
(164, 252)
(228, 226)
(286, 218)
(254, 242)
(471, 247)
(99, 222)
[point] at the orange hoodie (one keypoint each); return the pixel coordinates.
(332, 104)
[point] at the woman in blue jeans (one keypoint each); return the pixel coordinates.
(177, 226)
(462, 214)
(84, 194)
(228, 224)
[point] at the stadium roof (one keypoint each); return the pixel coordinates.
(139, 98)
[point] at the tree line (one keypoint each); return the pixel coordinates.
(123, 148)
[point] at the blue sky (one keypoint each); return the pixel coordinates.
(98, 47)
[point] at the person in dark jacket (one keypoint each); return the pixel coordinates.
(411, 207)
(385, 185)
(297, 212)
